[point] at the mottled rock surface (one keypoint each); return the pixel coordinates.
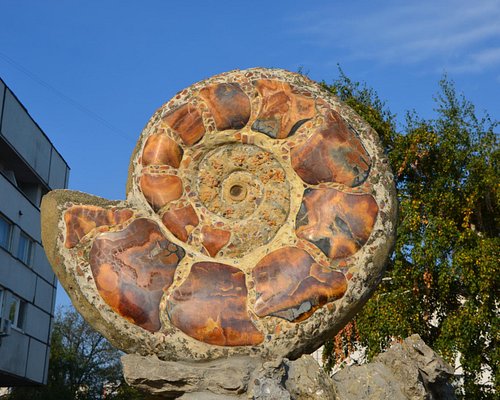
(410, 370)
(333, 153)
(339, 224)
(234, 378)
(211, 306)
(407, 371)
(174, 379)
(131, 267)
(291, 285)
(283, 109)
(308, 382)
(229, 105)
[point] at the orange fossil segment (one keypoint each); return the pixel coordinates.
(186, 121)
(131, 269)
(160, 189)
(229, 105)
(291, 285)
(181, 221)
(338, 223)
(333, 153)
(80, 220)
(283, 110)
(161, 150)
(214, 239)
(210, 306)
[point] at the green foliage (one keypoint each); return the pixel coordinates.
(83, 365)
(443, 279)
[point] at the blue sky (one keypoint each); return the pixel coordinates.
(92, 73)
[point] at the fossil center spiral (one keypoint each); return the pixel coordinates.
(245, 186)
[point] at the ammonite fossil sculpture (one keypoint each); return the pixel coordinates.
(260, 212)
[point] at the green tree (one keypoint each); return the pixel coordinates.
(443, 279)
(82, 365)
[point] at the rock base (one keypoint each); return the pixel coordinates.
(410, 370)
(229, 379)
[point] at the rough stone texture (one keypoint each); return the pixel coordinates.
(232, 170)
(407, 371)
(207, 396)
(308, 382)
(242, 188)
(371, 381)
(174, 379)
(234, 378)
(267, 381)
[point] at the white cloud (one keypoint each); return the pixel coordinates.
(458, 35)
(478, 61)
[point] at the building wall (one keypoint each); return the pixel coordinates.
(30, 166)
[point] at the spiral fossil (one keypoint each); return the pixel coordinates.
(259, 212)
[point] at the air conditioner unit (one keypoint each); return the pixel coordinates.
(5, 325)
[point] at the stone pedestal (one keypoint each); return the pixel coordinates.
(408, 370)
(232, 378)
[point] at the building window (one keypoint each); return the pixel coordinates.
(14, 310)
(5, 233)
(25, 248)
